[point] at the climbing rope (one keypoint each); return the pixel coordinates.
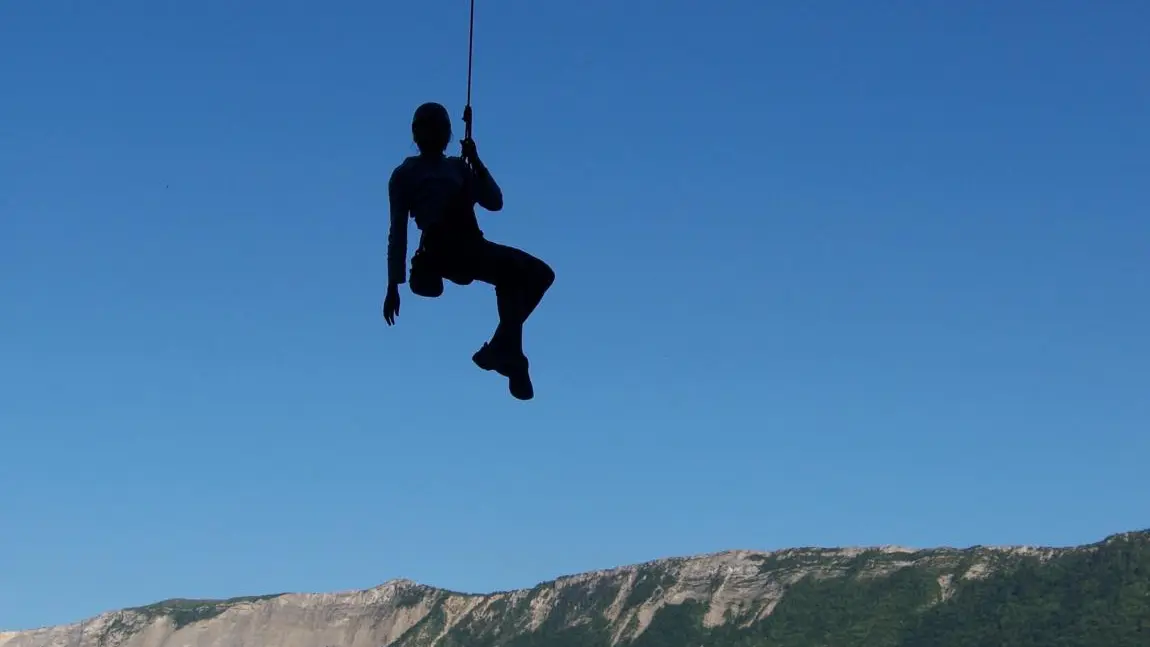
(470, 56)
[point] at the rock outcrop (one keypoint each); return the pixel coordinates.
(734, 597)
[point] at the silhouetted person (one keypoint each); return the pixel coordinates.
(440, 193)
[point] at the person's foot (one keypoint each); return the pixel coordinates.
(514, 367)
(519, 378)
(486, 358)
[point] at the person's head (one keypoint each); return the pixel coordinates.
(431, 128)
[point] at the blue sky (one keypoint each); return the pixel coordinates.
(828, 273)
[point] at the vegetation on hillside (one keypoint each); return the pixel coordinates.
(1093, 596)
(1096, 596)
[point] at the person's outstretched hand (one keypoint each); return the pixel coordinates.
(391, 304)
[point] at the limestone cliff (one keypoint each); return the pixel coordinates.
(735, 597)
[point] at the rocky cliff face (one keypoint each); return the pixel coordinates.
(736, 598)
(374, 618)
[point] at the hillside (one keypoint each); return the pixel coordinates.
(1094, 595)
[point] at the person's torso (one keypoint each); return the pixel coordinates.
(432, 187)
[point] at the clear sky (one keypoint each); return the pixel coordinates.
(829, 273)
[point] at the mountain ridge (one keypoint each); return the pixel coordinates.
(727, 591)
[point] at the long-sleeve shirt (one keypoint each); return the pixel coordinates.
(424, 188)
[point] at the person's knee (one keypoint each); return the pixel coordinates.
(545, 276)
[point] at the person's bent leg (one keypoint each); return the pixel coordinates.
(520, 281)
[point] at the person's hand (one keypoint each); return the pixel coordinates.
(469, 151)
(391, 304)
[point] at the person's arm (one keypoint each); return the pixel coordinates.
(487, 192)
(397, 233)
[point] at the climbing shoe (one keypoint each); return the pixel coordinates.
(514, 367)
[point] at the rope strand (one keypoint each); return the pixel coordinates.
(470, 56)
